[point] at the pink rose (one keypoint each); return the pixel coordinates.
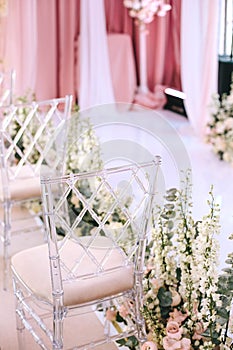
(195, 307)
(123, 311)
(156, 283)
(149, 345)
(171, 344)
(176, 299)
(177, 316)
(173, 330)
(199, 329)
(185, 344)
(111, 315)
(150, 336)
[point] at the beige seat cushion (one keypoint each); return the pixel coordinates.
(25, 186)
(32, 266)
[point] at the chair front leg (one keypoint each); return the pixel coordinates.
(19, 315)
(58, 318)
(6, 242)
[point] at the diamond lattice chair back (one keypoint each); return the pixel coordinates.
(25, 129)
(92, 266)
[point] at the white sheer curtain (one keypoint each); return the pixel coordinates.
(21, 43)
(95, 78)
(199, 58)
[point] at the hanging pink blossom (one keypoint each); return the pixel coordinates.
(149, 345)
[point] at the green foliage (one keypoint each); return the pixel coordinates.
(225, 289)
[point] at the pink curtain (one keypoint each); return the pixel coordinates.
(163, 41)
(42, 44)
(20, 49)
(67, 60)
(47, 53)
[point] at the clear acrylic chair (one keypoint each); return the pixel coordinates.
(7, 85)
(25, 129)
(92, 266)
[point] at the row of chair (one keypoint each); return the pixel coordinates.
(80, 275)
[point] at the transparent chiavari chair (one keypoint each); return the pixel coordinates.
(95, 267)
(7, 85)
(25, 129)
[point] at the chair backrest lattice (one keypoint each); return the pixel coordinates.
(107, 214)
(25, 130)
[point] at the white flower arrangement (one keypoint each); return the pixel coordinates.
(187, 305)
(143, 11)
(181, 284)
(220, 126)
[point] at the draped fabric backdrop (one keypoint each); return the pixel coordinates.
(40, 39)
(20, 49)
(199, 58)
(95, 79)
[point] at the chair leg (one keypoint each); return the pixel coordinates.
(141, 327)
(20, 331)
(6, 243)
(19, 316)
(58, 317)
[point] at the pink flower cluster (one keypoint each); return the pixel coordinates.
(173, 340)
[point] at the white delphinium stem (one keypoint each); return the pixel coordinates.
(185, 240)
(206, 251)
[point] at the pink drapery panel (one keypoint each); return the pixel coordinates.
(199, 58)
(95, 78)
(172, 48)
(117, 18)
(3, 35)
(21, 44)
(47, 50)
(42, 39)
(68, 29)
(163, 42)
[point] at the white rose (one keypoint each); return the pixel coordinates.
(220, 144)
(230, 99)
(227, 157)
(228, 123)
(220, 127)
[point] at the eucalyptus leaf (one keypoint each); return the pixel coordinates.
(165, 297)
(168, 214)
(223, 313)
(169, 206)
(229, 261)
(227, 270)
(169, 224)
(170, 198)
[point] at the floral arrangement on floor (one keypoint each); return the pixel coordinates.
(186, 304)
(220, 126)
